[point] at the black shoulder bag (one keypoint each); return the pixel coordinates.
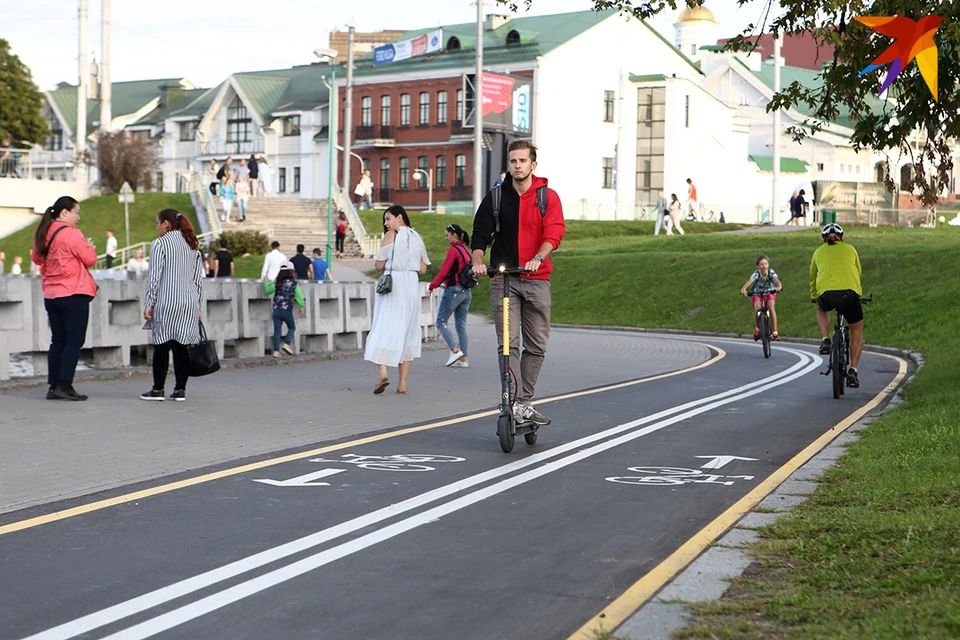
(203, 356)
(385, 282)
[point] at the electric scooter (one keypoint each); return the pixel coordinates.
(507, 428)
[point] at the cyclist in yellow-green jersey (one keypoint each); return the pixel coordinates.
(835, 284)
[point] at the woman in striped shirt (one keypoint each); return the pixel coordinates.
(172, 302)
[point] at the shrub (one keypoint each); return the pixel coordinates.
(243, 242)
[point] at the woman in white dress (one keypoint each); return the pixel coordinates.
(395, 336)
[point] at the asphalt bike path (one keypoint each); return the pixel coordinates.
(435, 533)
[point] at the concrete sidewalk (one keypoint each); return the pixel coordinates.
(55, 450)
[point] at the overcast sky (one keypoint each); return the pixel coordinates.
(205, 41)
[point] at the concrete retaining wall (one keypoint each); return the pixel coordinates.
(237, 316)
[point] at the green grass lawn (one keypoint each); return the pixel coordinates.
(102, 213)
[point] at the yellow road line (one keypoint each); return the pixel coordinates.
(225, 473)
(614, 614)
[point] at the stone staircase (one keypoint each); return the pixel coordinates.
(293, 221)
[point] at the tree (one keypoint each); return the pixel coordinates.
(909, 108)
(20, 101)
(126, 157)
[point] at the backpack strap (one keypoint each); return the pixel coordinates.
(542, 200)
(495, 196)
(50, 244)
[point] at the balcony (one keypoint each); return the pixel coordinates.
(375, 136)
(223, 148)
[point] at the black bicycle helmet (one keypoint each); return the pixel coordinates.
(831, 229)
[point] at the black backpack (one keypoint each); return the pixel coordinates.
(496, 196)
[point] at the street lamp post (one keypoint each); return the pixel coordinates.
(330, 54)
(429, 175)
(126, 197)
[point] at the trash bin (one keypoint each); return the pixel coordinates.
(828, 216)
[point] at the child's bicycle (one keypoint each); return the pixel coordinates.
(507, 429)
(839, 358)
(764, 325)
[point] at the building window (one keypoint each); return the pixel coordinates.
(296, 179)
(366, 111)
(422, 166)
(384, 111)
(513, 38)
(384, 173)
(238, 122)
(404, 172)
(608, 173)
(55, 140)
(188, 130)
(819, 166)
(366, 164)
(858, 169)
(291, 126)
(405, 110)
(686, 111)
(440, 177)
(841, 167)
(608, 100)
(441, 107)
(453, 43)
(460, 175)
(693, 49)
(460, 105)
(424, 107)
(651, 133)
(282, 180)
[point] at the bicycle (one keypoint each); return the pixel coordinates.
(507, 429)
(764, 325)
(839, 358)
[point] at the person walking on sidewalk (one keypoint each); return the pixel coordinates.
(64, 257)
(172, 301)
(456, 298)
(111, 248)
(395, 336)
(524, 220)
(673, 219)
(285, 290)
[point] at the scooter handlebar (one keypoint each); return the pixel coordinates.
(509, 271)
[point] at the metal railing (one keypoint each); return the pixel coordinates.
(33, 162)
(124, 254)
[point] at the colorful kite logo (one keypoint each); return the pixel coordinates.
(913, 40)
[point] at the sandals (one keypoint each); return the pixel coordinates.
(381, 385)
(402, 391)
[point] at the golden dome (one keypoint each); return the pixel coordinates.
(696, 14)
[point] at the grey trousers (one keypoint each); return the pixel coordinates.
(529, 316)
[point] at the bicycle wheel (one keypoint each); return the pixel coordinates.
(505, 432)
(765, 334)
(836, 365)
(845, 357)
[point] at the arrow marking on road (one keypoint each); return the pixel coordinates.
(304, 480)
(718, 461)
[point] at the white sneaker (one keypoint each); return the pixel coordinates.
(454, 357)
(460, 364)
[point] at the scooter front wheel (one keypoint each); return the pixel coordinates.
(506, 433)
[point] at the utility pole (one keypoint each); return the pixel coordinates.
(478, 114)
(80, 135)
(106, 113)
(348, 117)
(775, 206)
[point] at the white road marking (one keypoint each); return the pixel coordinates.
(187, 586)
(717, 462)
(305, 479)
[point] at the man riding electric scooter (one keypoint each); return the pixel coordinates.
(523, 220)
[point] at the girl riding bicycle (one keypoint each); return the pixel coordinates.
(764, 285)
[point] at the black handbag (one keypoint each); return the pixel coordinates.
(467, 278)
(203, 356)
(385, 282)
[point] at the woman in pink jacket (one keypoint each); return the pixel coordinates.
(64, 257)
